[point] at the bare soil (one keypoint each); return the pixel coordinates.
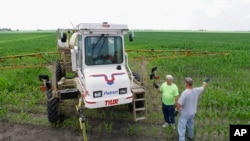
(33, 131)
(29, 132)
(10, 131)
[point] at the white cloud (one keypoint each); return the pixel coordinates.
(139, 14)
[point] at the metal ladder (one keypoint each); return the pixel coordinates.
(139, 104)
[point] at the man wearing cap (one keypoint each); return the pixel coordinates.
(187, 104)
(170, 95)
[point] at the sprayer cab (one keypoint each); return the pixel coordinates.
(98, 58)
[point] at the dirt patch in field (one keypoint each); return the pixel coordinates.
(29, 132)
(115, 125)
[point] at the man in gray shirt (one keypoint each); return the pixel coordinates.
(187, 104)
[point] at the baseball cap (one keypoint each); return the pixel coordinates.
(189, 80)
(169, 76)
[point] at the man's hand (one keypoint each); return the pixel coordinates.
(175, 111)
(207, 80)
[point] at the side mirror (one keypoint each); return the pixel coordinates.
(63, 37)
(131, 36)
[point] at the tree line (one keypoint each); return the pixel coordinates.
(5, 29)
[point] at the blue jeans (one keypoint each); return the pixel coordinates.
(168, 113)
(186, 121)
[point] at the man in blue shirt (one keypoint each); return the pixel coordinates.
(187, 104)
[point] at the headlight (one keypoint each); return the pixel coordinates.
(97, 94)
(122, 90)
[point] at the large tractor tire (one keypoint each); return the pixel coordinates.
(53, 103)
(52, 107)
(137, 76)
(59, 72)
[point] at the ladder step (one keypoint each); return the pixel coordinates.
(137, 90)
(140, 109)
(140, 118)
(140, 99)
(140, 113)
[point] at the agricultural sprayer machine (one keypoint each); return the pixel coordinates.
(92, 67)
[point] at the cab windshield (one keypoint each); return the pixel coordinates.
(102, 50)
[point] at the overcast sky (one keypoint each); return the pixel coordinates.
(220, 15)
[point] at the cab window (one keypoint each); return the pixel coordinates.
(103, 50)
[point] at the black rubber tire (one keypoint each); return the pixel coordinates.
(136, 76)
(52, 108)
(59, 73)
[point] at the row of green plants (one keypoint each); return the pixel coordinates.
(226, 100)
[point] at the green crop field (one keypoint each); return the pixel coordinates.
(225, 101)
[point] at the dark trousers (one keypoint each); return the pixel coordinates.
(168, 113)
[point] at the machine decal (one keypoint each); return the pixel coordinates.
(111, 92)
(109, 81)
(130, 97)
(86, 93)
(111, 102)
(89, 102)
